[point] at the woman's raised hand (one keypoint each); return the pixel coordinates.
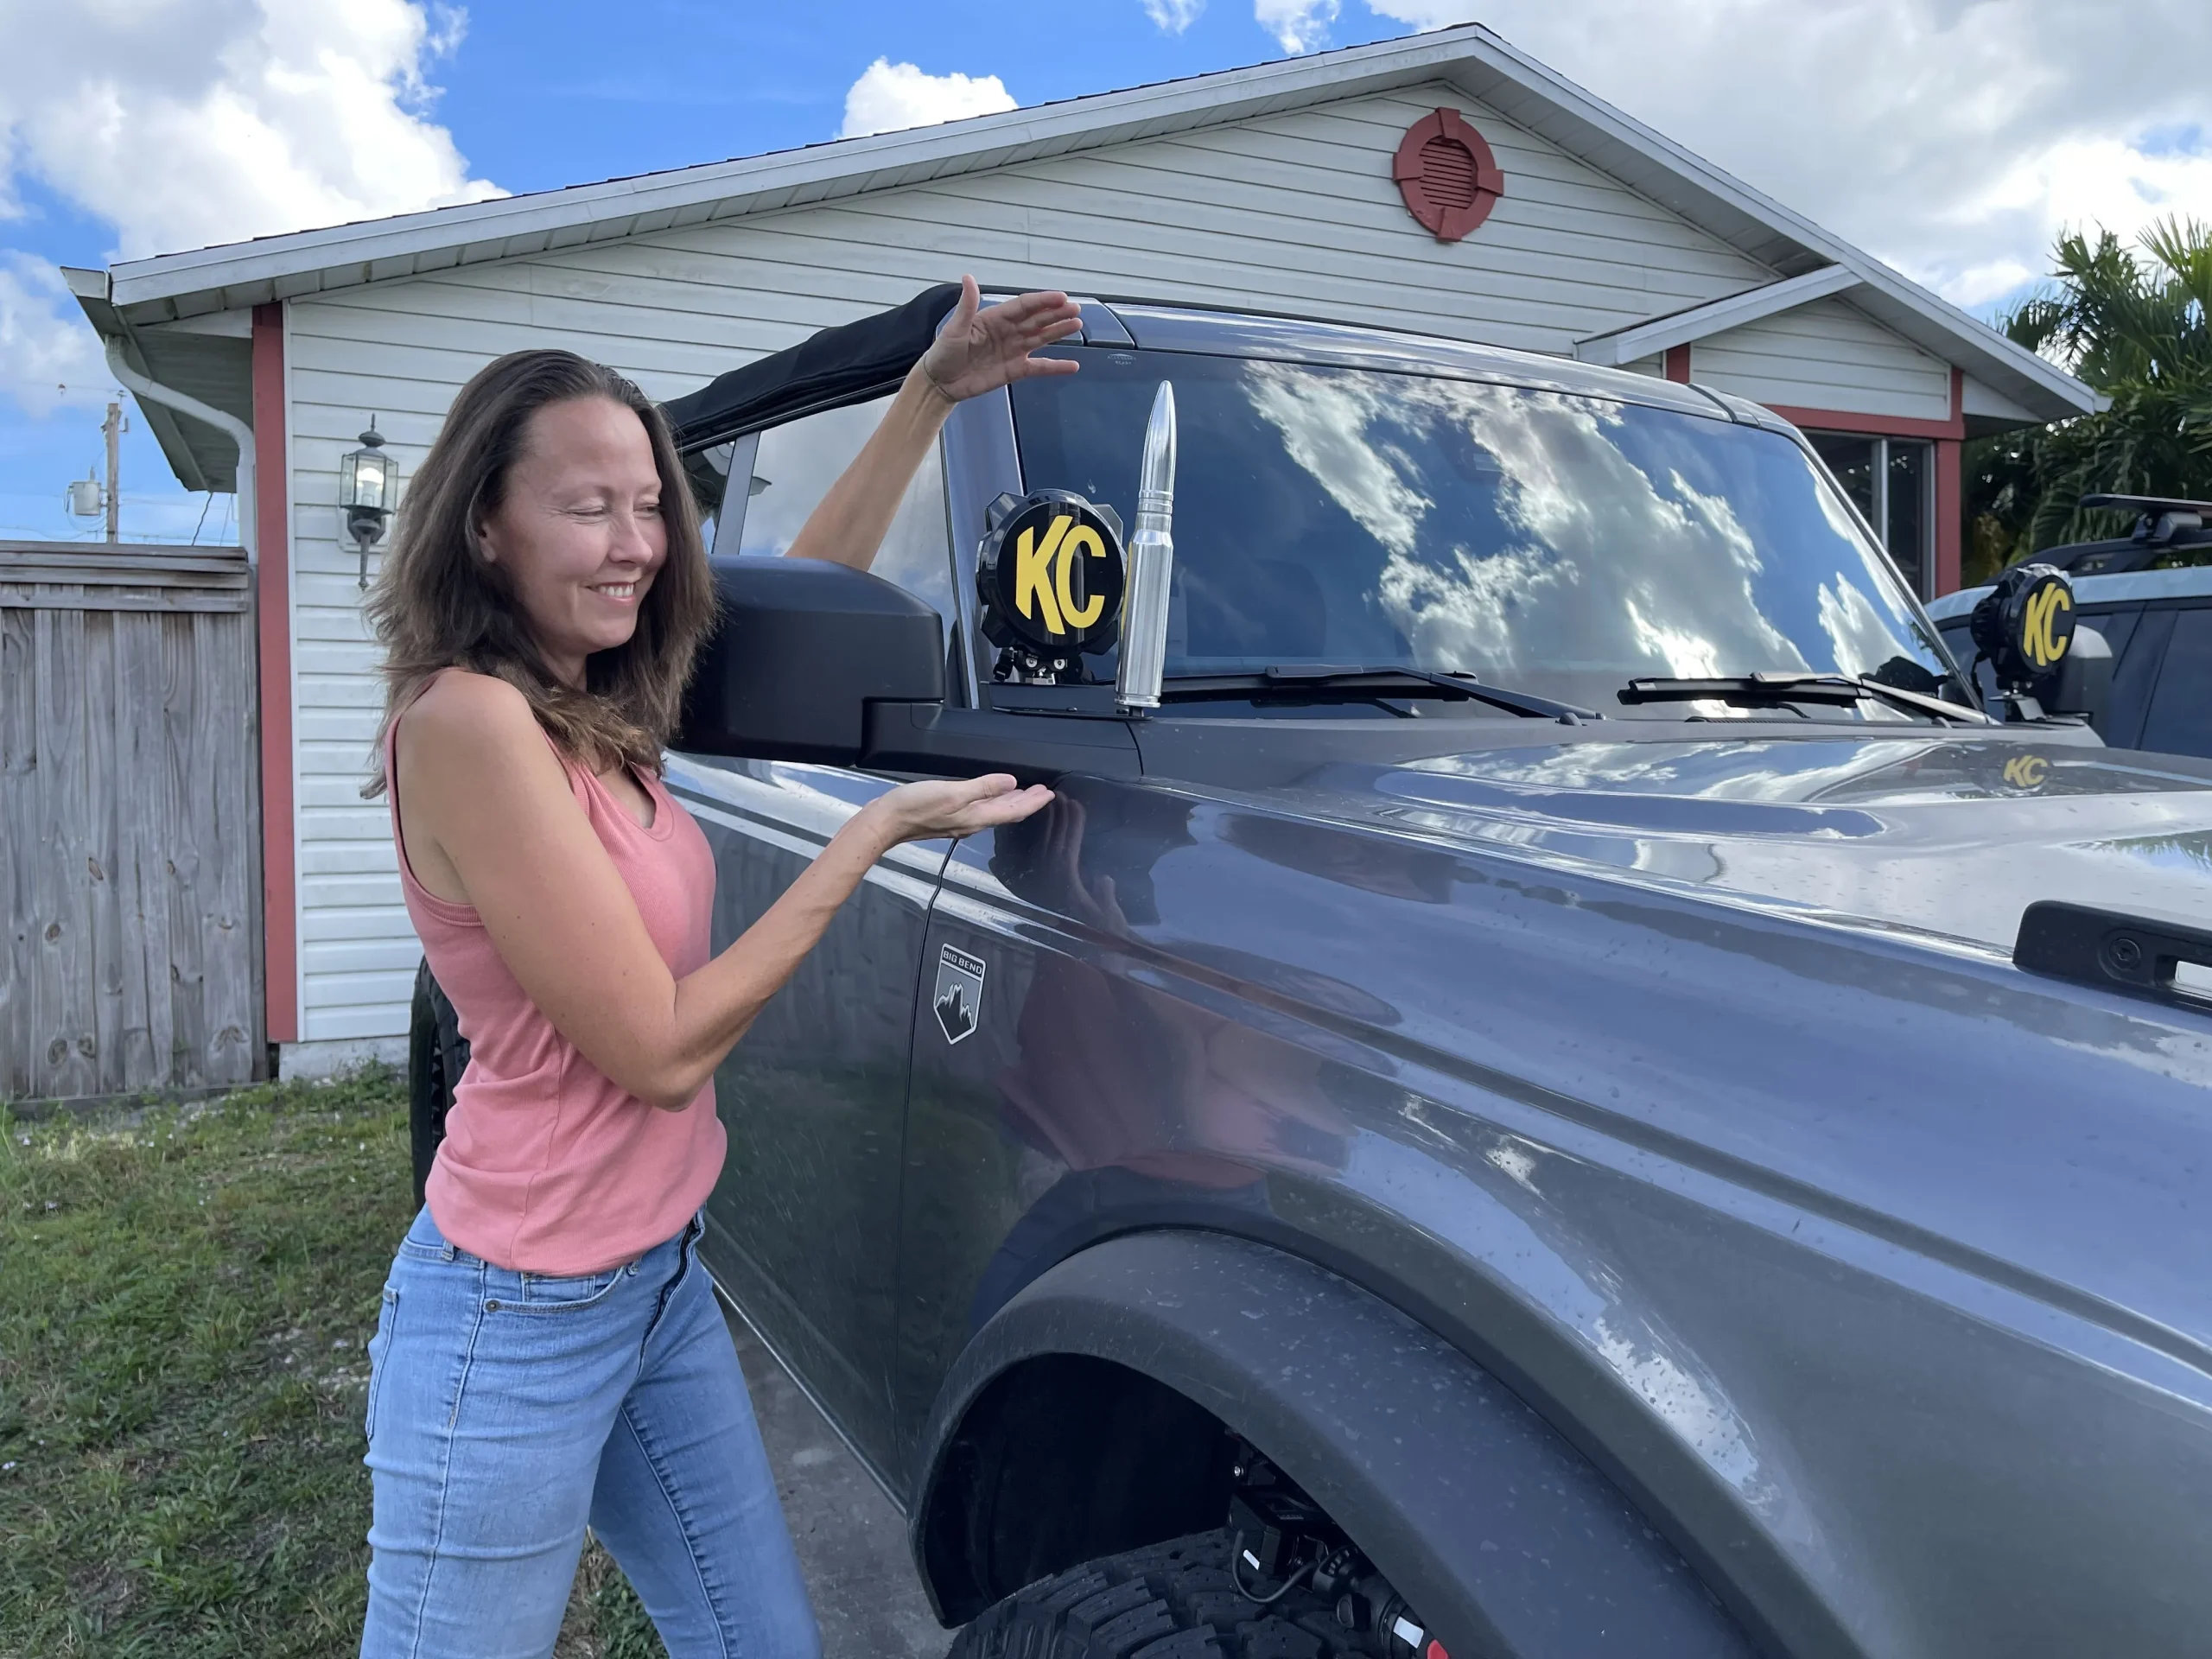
(979, 351)
(955, 807)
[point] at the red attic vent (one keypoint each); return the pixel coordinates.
(1447, 173)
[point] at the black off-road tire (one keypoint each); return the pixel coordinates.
(436, 1056)
(1167, 1601)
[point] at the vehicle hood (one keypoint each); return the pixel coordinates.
(1931, 836)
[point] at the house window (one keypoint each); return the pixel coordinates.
(1892, 481)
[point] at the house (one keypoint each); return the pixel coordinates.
(1443, 183)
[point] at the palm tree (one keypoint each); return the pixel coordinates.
(2137, 326)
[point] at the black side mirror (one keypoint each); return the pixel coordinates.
(802, 647)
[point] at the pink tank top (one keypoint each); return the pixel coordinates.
(548, 1167)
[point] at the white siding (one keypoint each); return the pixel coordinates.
(1979, 399)
(1293, 213)
(1826, 355)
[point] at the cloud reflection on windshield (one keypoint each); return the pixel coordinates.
(1527, 530)
(1861, 640)
(1324, 424)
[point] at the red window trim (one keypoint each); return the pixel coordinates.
(1873, 426)
(1884, 426)
(280, 955)
(1948, 436)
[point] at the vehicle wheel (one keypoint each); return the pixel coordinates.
(1167, 1601)
(436, 1056)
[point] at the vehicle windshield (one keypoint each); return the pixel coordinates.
(1554, 543)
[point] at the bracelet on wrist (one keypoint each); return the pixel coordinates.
(922, 368)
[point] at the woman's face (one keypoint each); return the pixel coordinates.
(579, 529)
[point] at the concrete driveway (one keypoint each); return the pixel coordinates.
(852, 1543)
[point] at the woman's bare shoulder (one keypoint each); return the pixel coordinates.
(462, 706)
(476, 727)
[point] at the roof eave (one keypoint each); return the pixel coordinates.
(1471, 55)
(274, 267)
(93, 291)
(2030, 380)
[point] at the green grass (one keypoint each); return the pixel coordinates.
(184, 1306)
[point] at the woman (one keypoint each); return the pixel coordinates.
(549, 1351)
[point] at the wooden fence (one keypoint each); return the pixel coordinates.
(130, 807)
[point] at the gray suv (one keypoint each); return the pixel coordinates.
(2150, 595)
(1559, 1089)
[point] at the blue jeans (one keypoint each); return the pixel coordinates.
(507, 1409)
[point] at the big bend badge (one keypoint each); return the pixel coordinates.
(959, 996)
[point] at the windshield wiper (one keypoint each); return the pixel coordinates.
(1840, 690)
(1360, 685)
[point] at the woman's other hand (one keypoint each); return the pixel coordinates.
(925, 812)
(979, 351)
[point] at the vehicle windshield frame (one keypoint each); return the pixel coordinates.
(1572, 381)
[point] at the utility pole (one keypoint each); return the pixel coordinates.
(113, 428)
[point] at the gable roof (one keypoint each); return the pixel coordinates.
(177, 286)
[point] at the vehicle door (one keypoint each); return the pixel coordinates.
(1065, 1086)
(1009, 952)
(802, 1223)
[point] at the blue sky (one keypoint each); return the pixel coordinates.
(1951, 141)
(538, 97)
(542, 93)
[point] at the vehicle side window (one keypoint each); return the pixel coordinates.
(2134, 671)
(2180, 717)
(794, 466)
(2118, 628)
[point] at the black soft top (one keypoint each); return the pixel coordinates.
(843, 365)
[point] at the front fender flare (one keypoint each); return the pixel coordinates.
(1510, 1541)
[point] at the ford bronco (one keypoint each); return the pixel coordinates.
(1552, 1082)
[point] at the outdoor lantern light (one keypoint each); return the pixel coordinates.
(367, 483)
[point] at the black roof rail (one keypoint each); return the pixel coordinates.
(2158, 518)
(2147, 502)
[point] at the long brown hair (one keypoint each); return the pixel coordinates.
(439, 603)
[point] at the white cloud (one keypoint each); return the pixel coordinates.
(48, 356)
(183, 122)
(1299, 25)
(1174, 15)
(890, 96)
(191, 121)
(1953, 139)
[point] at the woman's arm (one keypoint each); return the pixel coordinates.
(489, 806)
(977, 351)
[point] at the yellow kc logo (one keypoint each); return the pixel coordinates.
(1042, 573)
(2026, 771)
(2042, 646)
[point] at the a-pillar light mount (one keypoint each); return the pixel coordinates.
(1050, 578)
